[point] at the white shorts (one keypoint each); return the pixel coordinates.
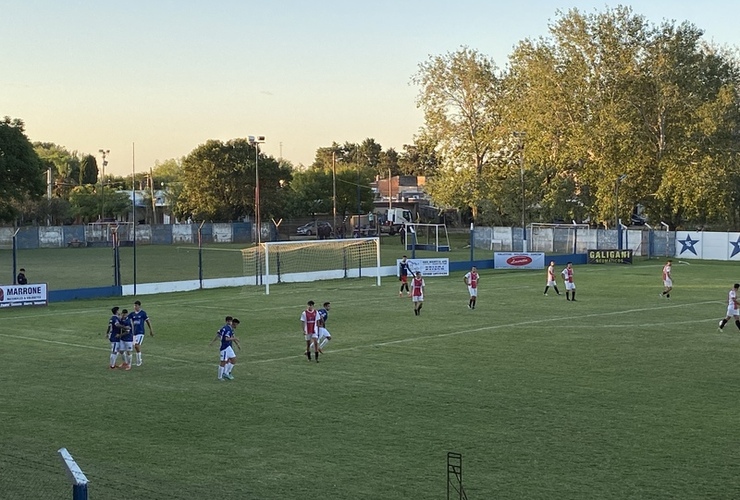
(114, 347)
(473, 291)
(324, 333)
(732, 312)
(227, 354)
(125, 346)
(139, 338)
(570, 286)
(310, 336)
(552, 283)
(668, 283)
(417, 298)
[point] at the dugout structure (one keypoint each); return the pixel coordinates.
(276, 262)
(426, 237)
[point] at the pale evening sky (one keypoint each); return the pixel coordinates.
(168, 75)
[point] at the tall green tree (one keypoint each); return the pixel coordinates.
(88, 170)
(219, 182)
(461, 96)
(22, 170)
(419, 158)
(610, 96)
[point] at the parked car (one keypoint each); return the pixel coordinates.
(314, 228)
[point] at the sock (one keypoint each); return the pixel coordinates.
(556, 290)
(737, 324)
(228, 368)
(474, 301)
(546, 289)
(113, 359)
(722, 323)
(324, 341)
(138, 357)
(317, 357)
(220, 371)
(567, 295)
(668, 295)
(573, 297)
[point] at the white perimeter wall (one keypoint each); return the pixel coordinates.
(703, 245)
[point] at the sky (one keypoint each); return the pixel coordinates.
(152, 80)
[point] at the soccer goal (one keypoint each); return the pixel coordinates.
(427, 237)
(558, 238)
(305, 261)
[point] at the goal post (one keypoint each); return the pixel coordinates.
(558, 238)
(432, 237)
(276, 262)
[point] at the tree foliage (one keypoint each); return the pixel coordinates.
(461, 95)
(219, 181)
(605, 96)
(22, 173)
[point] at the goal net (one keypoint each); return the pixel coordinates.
(426, 237)
(559, 238)
(305, 261)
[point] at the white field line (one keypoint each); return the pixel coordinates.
(82, 346)
(406, 340)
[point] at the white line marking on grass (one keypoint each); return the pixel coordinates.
(663, 323)
(406, 340)
(83, 346)
(485, 328)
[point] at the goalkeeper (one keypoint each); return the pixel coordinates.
(403, 276)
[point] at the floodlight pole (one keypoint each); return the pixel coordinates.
(105, 153)
(256, 141)
(618, 226)
(334, 191)
(522, 136)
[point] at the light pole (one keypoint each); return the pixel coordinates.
(105, 153)
(256, 140)
(521, 136)
(616, 210)
(359, 204)
(334, 191)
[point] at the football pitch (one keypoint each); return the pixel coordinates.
(621, 394)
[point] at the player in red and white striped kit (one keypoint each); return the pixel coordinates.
(551, 278)
(471, 279)
(570, 286)
(417, 292)
(733, 308)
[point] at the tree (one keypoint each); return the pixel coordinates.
(419, 158)
(219, 182)
(609, 94)
(89, 202)
(88, 170)
(22, 170)
(461, 95)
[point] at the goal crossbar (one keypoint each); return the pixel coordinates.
(432, 237)
(306, 261)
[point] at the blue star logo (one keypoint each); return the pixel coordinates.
(735, 244)
(688, 244)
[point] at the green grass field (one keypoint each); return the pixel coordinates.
(619, 395)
